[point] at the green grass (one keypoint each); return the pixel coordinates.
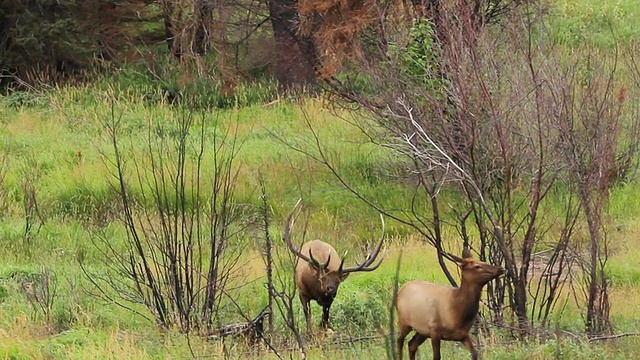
(599, 23)
(58, 141)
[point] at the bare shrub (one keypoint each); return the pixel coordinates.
(599, 132)
(33, 218)
(267, 254)
(184, 227)
(41, 291)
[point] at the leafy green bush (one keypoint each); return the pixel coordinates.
(20, 99)
(420, 57)
(359, 310)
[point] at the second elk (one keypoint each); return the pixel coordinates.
(443, 312)
(319, 270)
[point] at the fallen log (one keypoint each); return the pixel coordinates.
(252, 330)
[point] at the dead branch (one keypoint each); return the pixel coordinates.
(611, 337)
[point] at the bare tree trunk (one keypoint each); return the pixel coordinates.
(268, 254)
(171, 29)
(295, 57)
(594, 236)
(597, 321)
(221, 47)
(204, 19)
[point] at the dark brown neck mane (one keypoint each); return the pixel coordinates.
(467, 299)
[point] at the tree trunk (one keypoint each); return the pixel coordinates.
(597, 321)
(204, 20)
(170, 31)
(520, 303)
(295, 59)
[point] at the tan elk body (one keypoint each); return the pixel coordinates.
(442, 312)
(319, 271)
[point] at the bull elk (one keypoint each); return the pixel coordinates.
(321, 270)
(443, 312)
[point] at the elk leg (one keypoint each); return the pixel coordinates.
(416, 341)
(469, 345)
(435, 345)
(403, 331)
(325, 316)
(307, 312)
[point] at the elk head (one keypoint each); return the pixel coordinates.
(328, 279)
(475, 271)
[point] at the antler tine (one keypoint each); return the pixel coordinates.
(287, 232)
(316, 263)
(313, 260)
(326, 265)
(366, 261)
(371, 257)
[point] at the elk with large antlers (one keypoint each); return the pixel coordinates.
(321, 270)
(443, 312)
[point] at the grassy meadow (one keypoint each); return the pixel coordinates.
(57, 198)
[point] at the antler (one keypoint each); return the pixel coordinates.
(366, 264)
(316, 263)
(287, 237)
(287, 234)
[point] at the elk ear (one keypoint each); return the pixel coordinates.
(344, 276)
(466, 254)
(464, 262)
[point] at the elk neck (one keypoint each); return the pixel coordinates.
(467, 300)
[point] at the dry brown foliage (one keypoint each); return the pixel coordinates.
(335, 26)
